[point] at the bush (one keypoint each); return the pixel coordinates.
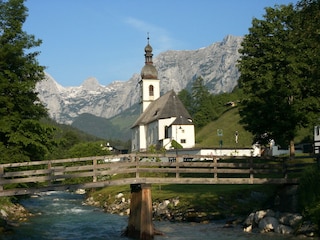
(309, 194)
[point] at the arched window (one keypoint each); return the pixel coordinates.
(151, 93)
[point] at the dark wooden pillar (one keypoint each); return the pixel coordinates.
(140, 220)
(1, 176)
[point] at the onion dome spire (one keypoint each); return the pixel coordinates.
(148, 71)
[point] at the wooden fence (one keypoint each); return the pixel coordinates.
(95, 172)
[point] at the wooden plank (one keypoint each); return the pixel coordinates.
(79, 168)
(25, 180)
(267, 171)
(158, 170)
(218, 181)
(24, 191)
(117, 165)
(192, 170)
(74, 175)
(24, 164)
(26, 173)
(195, 164)
(233, 165)
(116, 171)
(233, 171)
(76, 160)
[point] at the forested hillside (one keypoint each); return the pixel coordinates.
(212, 112)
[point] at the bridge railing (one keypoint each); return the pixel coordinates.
(91, 172)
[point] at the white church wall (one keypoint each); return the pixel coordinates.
(134, 140)
(142, 139)
(162, 125)
(152, 134)
(185, 135)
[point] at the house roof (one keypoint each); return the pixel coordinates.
(167, 106)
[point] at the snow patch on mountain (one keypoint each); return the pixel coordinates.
(216, 64)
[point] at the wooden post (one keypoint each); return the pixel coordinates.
(177, 170)
(284, 168)
(215, 167)
(1, 176)
(140, 220)
(251, 171)
(137, 167)
(51, 174)
(94, 177)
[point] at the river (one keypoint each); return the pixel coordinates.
(62, 216)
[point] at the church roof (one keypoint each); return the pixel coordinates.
(167, 106)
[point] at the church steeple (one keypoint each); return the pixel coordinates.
(148, 53)
(149, 83)
(148, 71)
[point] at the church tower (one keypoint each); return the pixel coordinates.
(149, 83)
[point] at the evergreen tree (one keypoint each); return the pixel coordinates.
(22, 136)
(186, 98)
(280, 97)
(203, 108)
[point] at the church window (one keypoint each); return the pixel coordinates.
(151, 91)
(183, 141)
(166, 132)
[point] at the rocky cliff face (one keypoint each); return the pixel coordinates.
(216, 64)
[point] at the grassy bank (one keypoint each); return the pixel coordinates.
(223, 200)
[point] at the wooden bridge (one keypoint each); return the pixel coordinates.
(140, 171)
(96, 172)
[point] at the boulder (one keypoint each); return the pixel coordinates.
(162, 208)
(268, 224)
(290, 219)
(283, 229)
(175, 202)
(249, 220)
(119, 195)
(263, 213)
(4, 214)
(247, 228)
(80, 191)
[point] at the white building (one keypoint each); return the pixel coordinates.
(163, 118)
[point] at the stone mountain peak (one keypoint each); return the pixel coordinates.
(177, 70)
(91, 84)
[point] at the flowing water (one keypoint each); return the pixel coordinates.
(62, 216)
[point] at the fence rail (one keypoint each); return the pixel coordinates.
(94, 172)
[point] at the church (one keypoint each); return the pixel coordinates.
(163, 119)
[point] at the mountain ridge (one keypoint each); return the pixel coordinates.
(177, 69)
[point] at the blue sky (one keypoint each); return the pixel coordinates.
(105, 39)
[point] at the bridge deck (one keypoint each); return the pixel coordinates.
(97, 172)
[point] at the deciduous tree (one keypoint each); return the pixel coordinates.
(22, 136)
(280, 95)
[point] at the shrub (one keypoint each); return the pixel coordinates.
(309, 193)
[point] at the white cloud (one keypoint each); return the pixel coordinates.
(159, 37)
